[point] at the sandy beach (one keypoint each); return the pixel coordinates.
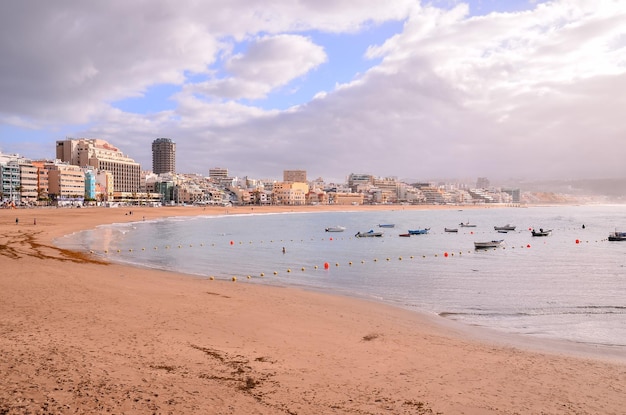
(80, 336)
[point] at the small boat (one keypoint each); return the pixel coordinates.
(488, 244)
(386, 225)
(368, 234)
(406, 235)
(506, 227)
(450, 229)
(466, 225)
(418, 231)
(335, 229)
(541, 232)
(617, 236)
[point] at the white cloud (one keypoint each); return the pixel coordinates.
(526, 94)
(269, 62)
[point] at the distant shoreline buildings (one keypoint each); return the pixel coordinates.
(93, 171)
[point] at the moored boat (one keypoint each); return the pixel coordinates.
(387, 225)
(335, 229)
(617, 236)
(405, 234)
(466, 225)
(418, 231)
(488, 244)
(541, 232)
(368, 234)
(450, 229)
(506, 227)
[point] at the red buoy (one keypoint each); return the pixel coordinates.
(326, 265)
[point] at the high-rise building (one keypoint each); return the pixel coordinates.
(163, 156)
(103, 156)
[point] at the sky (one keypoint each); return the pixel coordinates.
(516, 89)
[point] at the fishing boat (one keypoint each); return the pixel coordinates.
(335, 229)
(418, 231)
(406, 235)
(541, 232)
(467, 225)
(387, 225)
(368, 234)
(506, 227)
(617, 236)
(488, 244)
(450, 229)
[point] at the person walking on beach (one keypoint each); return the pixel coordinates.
(17, 220)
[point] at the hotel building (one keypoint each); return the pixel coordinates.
(101, 155)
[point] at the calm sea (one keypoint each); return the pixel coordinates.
(568, 286)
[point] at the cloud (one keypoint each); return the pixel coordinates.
(533, 93)
(270, 62)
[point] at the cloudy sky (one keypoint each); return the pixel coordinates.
(522, 89)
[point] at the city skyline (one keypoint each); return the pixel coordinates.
(446, 89)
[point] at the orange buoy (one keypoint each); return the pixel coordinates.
(326, 265)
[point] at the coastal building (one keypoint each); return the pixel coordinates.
(18, 180)
(28, 183)
(90, 183)
(351, 198)
(218, 173)
(360, 182)
(66, 183)
(287, 193)
(516, 195)
(104, 185)
(294, 176)
(9, 180)
(42, 181)
(482, 183)
(101, 155)
(163, 156)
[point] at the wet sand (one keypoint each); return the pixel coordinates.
(81, 336)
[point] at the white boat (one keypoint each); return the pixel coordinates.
(488, 244)
(335, 229)
(466, 225)
(368, 234)
(387, 225)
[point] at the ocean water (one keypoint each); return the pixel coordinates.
(570, 286)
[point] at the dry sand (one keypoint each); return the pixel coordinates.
(80, 336)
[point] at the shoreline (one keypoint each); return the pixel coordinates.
(79, 333)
